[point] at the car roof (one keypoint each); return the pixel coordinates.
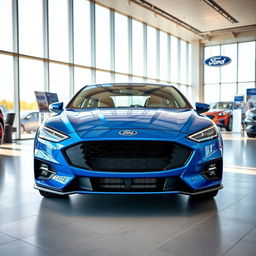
(129, 84)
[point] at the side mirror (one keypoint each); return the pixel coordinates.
(56, 107)
(202, 107)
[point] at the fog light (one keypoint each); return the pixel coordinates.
(46, 171)
(213, 170)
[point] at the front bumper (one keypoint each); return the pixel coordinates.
(191, 178)
(196, 192)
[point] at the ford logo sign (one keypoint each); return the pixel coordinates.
(128, 133)
(217, 61)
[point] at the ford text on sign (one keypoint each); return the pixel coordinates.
(217, 61)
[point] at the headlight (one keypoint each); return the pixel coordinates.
(50, 134)
(208, 133)
(222, 114)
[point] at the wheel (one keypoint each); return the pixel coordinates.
(51, 195)
(250, 135)
(230, 123)
(208, 195)
(1, 132)
(22, 129)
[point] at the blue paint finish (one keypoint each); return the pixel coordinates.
(154, 124)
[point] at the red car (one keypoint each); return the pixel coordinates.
(221, 114)
(1, 126)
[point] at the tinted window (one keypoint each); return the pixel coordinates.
(222, 105)
(121, 95)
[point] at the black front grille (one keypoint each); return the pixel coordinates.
(211, 116)
(127, 184)
(128, 155)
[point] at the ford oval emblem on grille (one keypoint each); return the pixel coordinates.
(128, 132)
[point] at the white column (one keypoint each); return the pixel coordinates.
(197, 69)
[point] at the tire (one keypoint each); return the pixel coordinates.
(230, 124)
(250, 135)
(1, 133)
(51, 195)
(205, 196)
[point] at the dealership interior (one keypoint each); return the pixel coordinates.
(204, 48)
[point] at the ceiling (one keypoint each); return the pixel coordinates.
(191, 19)
(203, 17)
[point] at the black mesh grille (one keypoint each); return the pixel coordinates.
(127, 184)
(128, 156)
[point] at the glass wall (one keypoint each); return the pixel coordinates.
(121, 43)
(102, 24)
(82, 33)
(6, 81)
(223, 83)
(31, 79)
(62, 46)
(59, 30)
(31, 45)
(6, 30)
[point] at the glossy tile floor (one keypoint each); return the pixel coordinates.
(128, 225)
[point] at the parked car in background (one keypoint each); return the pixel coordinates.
(4, 111)
(29, 121)
(1, 126)
(221, 113)
(250, 122)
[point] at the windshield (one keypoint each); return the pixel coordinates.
(129, 95)
(221, 105)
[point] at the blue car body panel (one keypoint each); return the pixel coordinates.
(151, 124)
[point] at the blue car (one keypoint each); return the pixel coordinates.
(128, 139)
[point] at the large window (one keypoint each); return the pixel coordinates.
(31, 80)
(121, 43)
(82, 78)
(151, 52)
(58, 30)
(246, 67)
(163, 56)
(183, 62)
(223, 83)
(102, 37)
(82, 32)
(31, 29)
(137, 48)
(6, 39)
(228, 72)
(59, 81)
(69, 44)
(6, 81)
(211, 74)
(174, 60)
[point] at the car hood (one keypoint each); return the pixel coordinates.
(186, 121)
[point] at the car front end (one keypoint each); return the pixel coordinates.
(128, 151)
(219, 117)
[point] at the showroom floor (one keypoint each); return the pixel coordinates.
(128, 225)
